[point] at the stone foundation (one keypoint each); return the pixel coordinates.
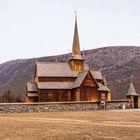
(63, 106)
(118, 104)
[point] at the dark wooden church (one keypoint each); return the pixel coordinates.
(71, 81)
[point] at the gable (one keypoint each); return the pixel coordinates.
(85, 79)
(89, 81)
(81, 76)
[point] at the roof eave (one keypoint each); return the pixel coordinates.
(132, 95)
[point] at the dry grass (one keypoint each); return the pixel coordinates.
(86, 125)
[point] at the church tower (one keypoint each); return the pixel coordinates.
(77, 60)
(133, 96)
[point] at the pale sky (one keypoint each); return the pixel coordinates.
(34, 28)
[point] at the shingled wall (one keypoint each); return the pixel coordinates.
(55, 107)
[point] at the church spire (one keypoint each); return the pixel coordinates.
(77, 60)
(131, 90)
(76, 44)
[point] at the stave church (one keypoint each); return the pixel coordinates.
(70, 81)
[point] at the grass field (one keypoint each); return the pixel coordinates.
(86, 125)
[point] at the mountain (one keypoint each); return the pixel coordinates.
(118, 65)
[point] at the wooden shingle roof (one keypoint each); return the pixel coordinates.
(55, 85)
(53, 69)
(32, 94)
(103, 87)
(131, 91)
(31, 86)
(97, 74)
(79, 79)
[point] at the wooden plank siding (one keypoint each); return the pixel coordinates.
(88, 89)
(77, 65)
(56, 79)
(89, 94)
(54, 95)
(138, 101)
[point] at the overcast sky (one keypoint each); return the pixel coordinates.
(33, 28)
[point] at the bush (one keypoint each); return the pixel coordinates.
(8, 96)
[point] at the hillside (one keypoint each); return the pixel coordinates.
(118, 64)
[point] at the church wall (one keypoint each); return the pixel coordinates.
(131, 98)
(89, 94)
(57, 79)
(77, 65)
(31, 99)
(95, 96)
(54, 95)
(103, 95)
(132, 101)
(108, 96)
(88, 89)
(139, 102)
(75, 94)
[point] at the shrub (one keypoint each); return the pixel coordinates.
(8, 96)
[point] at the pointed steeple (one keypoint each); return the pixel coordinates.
(76, 45)
(76, 60)
(131, 90)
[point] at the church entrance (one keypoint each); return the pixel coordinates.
(135, 101)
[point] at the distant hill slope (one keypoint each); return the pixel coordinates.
(118, 64)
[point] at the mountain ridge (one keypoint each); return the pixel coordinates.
(118, 64)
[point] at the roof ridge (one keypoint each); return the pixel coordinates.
(53, 62)
(58, 82)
